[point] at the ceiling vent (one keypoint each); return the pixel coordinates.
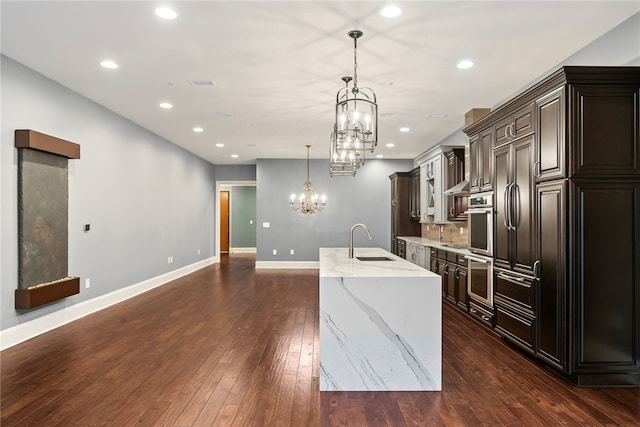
(201, 82)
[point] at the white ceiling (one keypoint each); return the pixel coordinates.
(277, 65)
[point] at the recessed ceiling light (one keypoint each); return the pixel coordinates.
(198, 129)
(465, 63)
(391, 145)
(379, 156)
(166, 105)
(219, 145)
(107, 63)
(166, 13)
(404, 129)
(235, 156)
(390, 11)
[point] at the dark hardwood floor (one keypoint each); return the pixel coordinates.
(229, 345)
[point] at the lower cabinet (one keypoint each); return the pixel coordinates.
(514, 304)
(402, 248)
(462, 296)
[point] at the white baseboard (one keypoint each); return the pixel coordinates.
(288, 264)
(242, 250)
(24, 331)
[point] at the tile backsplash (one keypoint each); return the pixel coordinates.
(452, 232)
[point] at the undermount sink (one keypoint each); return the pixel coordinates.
(374, 258)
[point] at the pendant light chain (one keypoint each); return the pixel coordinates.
(355, 65)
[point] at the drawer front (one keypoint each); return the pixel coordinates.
(461, 260)
(434, 253)
(451, 256)
(516, 327)
(517, 290)
(482, 314)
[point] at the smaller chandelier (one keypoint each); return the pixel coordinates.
(308, 202)
(356, 108)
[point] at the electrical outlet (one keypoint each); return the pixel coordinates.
(291, 252)
(87, 283)
(250, 222)
(461, 230)
(275, 252)
(198, 251)
(169, 260)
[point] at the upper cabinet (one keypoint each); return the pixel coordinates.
(550, 159)
(481, 160)
(434, 181)
(415, 208)
(456, 203)
(606, 137)
(514, 126)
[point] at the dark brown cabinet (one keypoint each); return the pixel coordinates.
(481, 165)
(401, 224)
(514, 126)
(580, 245)
(550, 158)
(514, 304)
(514, 246)
(452, 267)
(462, 296)
(550, 272)
(414, 195)
(606, 268)
(402, 248)
(456, 204)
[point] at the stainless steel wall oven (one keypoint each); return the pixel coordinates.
(480, 219)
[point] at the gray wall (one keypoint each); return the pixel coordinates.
(235, 173)
(364, 198)
(243, 216)
(129, 185)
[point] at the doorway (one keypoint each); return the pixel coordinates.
(235, 220)
(224, 222)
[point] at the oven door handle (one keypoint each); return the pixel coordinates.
(508, 277)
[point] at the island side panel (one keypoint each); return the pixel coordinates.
(380, 334)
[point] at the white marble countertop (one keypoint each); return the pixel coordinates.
(434, 244)
(335, 262)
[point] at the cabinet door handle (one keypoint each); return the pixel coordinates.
(512, 130)
(506, 132)
(536, 169)
(457, 273)
(505, 203)
(536, 266)
(510, 209)
(515, 206)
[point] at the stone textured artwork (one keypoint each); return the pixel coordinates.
(43, 224)
(43, 196)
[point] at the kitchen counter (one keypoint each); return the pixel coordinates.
(380, 323)
(434, 244)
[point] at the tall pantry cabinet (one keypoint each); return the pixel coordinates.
(586, 216)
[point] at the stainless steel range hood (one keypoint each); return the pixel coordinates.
(460, 189)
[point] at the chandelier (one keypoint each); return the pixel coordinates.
(308, 202)
(356, 124)
(346, 157)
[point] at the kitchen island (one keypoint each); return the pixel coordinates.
(380, 323)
